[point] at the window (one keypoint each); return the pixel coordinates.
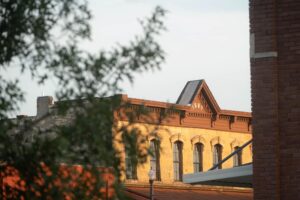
(177, 160)
(237, 158)
(154, 158)
(130, 167)
(217, 155)
(198, 157)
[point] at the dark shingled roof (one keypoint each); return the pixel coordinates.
(188, 93)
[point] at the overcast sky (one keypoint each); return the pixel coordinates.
(205, 40)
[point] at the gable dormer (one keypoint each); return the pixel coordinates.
(197, 95)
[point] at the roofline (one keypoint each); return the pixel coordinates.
(211, 96)
(200, 86)
(195, 93)
(161, 104)
(234, 112)
(181, 93)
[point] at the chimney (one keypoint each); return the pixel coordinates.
(43, 104)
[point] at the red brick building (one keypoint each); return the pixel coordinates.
(275, 79)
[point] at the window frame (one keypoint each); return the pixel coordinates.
(178, 160)
(198, 157)
(130, 167)
(155, 158)
(217, 155)
(237, 158)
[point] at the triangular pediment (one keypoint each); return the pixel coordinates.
(200, 103)
(197, 95)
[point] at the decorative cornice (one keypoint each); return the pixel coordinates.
(169, 114)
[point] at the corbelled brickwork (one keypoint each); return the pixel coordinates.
(275, 78)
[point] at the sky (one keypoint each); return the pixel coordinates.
(205, 40)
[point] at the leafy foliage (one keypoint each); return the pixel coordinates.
(42, 37)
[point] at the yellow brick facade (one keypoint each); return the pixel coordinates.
(189, 136)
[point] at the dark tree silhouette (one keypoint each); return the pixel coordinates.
(42, 37)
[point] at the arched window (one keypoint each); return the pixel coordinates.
(130, 167)
(154, 158)
(217, 155)
(237, 158)
(198, 157)
(177, 160)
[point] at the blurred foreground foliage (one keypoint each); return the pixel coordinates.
(38, 154)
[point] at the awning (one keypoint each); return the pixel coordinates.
(237, 176)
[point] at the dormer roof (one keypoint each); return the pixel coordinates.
(198, 95)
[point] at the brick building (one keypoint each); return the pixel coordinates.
(275, 80)
(196, 135)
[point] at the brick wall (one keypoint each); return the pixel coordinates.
(275, 79)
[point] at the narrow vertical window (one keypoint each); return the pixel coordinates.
(217, 155)
(177, 160)
(237, 158)
(198, 157)
(154, 158)
(130, 167)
